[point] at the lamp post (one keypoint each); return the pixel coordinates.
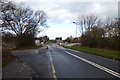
(76, 27)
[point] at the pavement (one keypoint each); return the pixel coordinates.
(17, 69)
(30, 64)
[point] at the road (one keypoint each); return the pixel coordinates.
(74, 64)
(59, 62)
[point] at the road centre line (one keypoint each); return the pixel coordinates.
(96, 65)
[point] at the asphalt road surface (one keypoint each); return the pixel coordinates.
(69, 63)
(59, 62)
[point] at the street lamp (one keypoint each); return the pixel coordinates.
(76, 27)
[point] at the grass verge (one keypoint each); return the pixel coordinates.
(100, 52)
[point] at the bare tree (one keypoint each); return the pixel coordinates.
(91, 28)
(85, 23)
(80, 24)
(20, 20)
(117, 27)
(98, 32)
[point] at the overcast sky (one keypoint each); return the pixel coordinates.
(61, 13)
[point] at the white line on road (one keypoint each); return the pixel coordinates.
(99, 56)
(53, 68)
(72, 50)
(21, 69)
(53, 45)
(96, 65)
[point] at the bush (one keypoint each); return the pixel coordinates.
(25, 40)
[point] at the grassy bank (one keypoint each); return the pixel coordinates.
(101, 52)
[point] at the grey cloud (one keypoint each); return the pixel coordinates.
(81, 8)
(72, 9)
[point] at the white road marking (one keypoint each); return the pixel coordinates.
(21, 69)
(72, 50)
(53, 68)
(96, 65)
(24, 66)
(99, 56)
(53, 45)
